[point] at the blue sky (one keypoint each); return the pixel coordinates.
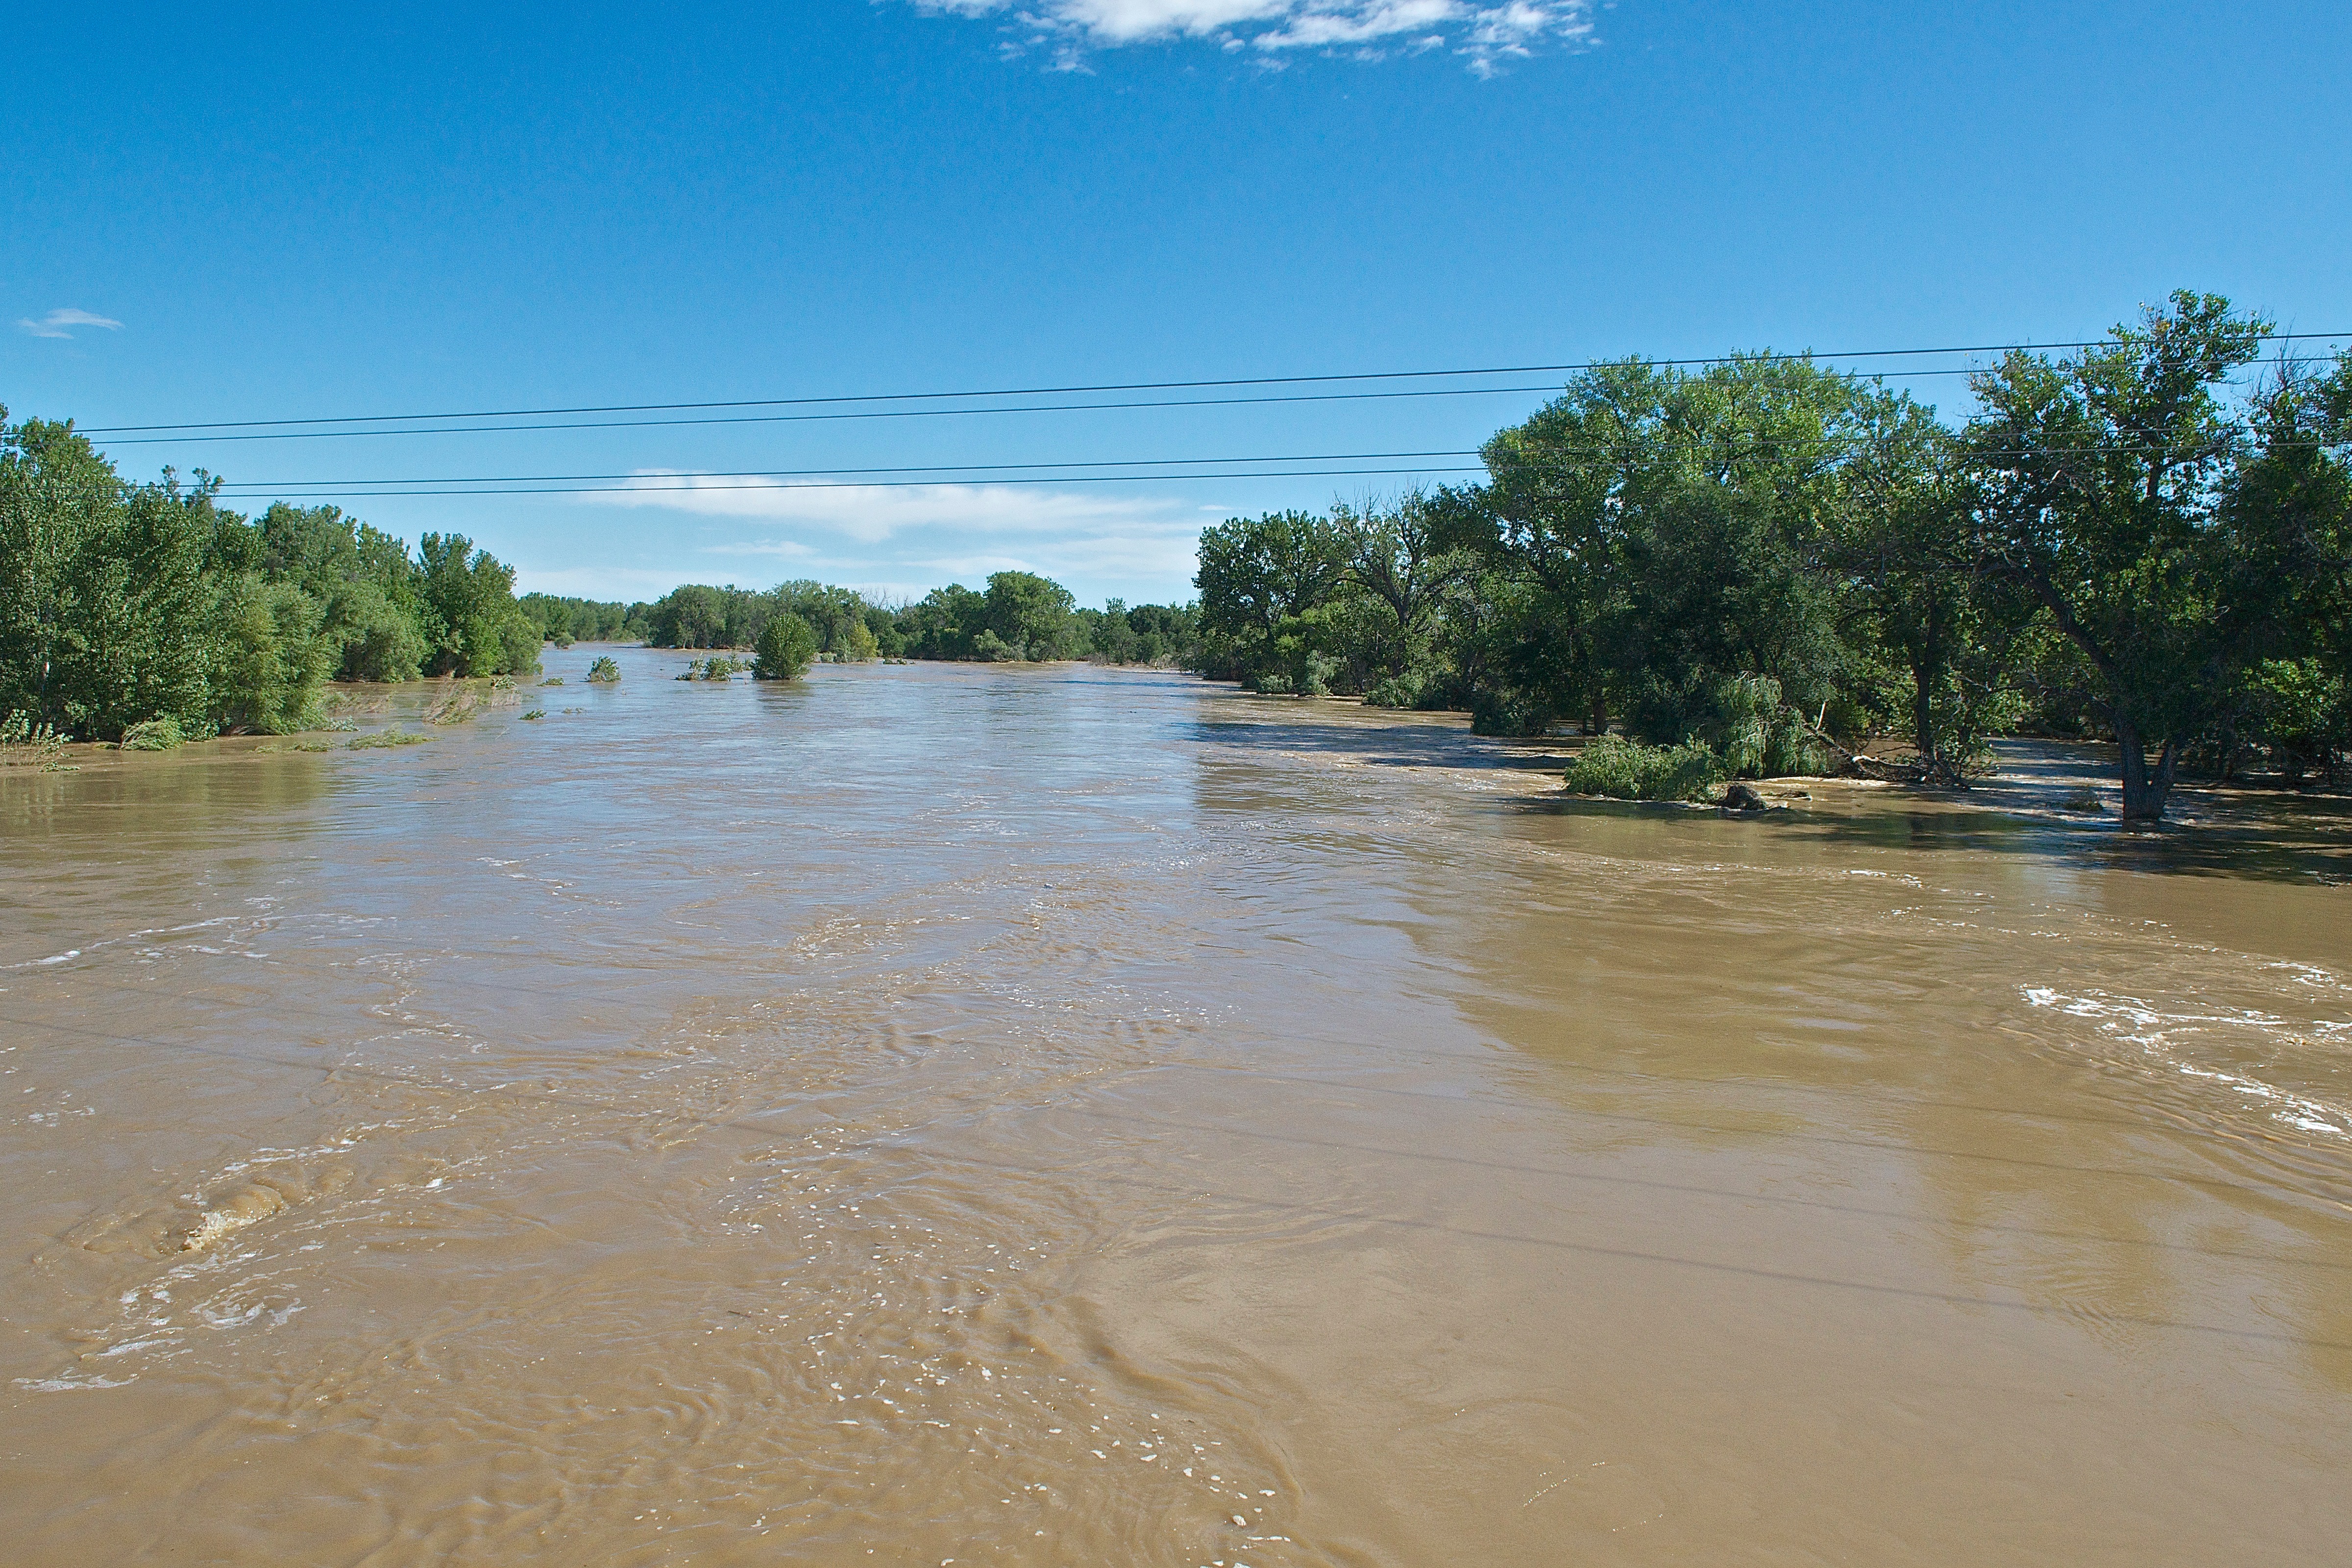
(228, 214)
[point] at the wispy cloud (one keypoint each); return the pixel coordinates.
(934, 532)
(871, 513)
(60, 323)
(1485, 35)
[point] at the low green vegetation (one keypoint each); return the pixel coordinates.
(1628, 770)
(604, 672)
(153, 735)
(386, 739)
(717, 666)
(25, 742)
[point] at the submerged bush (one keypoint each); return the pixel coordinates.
(153, 735)
(1628, 770)
(385, 740)
(604, 672)
(1511, 711)
(787, 646)
(26, 743)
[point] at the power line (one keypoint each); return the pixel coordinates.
(1807, 356)
(1549, 456)
(905, 484)
(829, 473)
(870, 414)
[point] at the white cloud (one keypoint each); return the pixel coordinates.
(871, 513)
(934, 533)
(1483, 35)
(58, 322)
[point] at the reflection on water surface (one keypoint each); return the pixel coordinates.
(1054, 1116)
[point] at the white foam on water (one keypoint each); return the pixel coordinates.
(2152, 1030)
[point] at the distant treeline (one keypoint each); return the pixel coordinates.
(1760, 567)
(1019, 615)
(149, 607)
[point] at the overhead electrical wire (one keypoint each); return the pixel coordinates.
(278, 430)
(659, 490)
(686, 481)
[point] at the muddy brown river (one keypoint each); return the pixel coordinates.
(943, 1115)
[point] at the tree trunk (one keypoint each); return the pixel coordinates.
(1923, 715)
(2144, 789)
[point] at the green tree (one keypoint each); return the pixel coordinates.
(1030, 616)
(2101, 488)
(268, 656)
(944, 624)
(373, 638)
(104, 608)
(472, 621)
(787, 646)
(1259, 579)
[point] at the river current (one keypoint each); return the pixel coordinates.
(1049, 1115)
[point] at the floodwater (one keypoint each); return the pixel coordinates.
(930, 1115)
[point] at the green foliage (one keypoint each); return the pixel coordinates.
(1628, 770)
(857, 643)
(2101, 488)
(471, 619)
(717, 666)
(945, 623)
(26, 742)
(376, 639)
(386, 739)
(603, 671)
(1143, 634)
(1026, 616)
(1260, 580)
(787, 645)
(153, 735)
(268, 658)
(2301, 712)
(565, 621)
(123, 605)
(104, 605)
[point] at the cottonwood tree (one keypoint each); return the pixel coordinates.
(2101, 487)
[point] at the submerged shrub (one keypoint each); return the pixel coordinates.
(604, 672)
(787, 646)
(1756, 733)
(153, 735)
(1511, 711)
(1628, 770)
(25, 743)
(385, 740)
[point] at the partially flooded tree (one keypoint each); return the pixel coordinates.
(2100, 486)
(787, 646)
(1259, 579)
